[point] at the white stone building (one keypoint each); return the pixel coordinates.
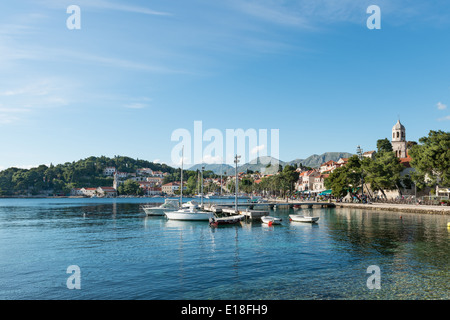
(306, 180)
(399, 140)
(109, 171)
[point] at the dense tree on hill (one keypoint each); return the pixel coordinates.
(63, 177)
(130, 187)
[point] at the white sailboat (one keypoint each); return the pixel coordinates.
(189, 212)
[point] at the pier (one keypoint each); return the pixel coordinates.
(260, 209)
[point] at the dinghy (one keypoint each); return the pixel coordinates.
(271, 220)
(300, 218)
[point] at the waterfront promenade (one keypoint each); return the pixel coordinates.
(410, 208)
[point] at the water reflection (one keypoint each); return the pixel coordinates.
(246, 261)
(385, 233)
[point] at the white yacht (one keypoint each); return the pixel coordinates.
(168, 205)
(187, 213)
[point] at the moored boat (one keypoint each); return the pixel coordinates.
(217, 221)
(190, 211)
(189, 214)
(301, 218)
(271, 220)
(168, 205)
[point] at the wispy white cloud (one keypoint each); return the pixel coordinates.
(276, 14)
(315, 14)
(258, 149)
(212, 159)
(23, 99)
(105, 5)
(119, 63)
(446, 118)
(15, 52)
(41, 88)
(441, 106)
(8, 118)
(124, 7)
(136, 106)
(303, 14)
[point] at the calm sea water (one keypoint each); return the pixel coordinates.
(122, 254)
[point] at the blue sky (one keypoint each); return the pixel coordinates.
(138, 70)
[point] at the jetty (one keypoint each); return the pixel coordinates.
(255, 211)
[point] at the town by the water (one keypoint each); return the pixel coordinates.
(405, 186)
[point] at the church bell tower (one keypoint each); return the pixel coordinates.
(399, 140)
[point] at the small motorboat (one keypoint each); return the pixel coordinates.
(271, 220)
(217, 221)
(301, 218)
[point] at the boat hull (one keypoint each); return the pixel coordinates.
(215, 222)
(300, 218)
(188, 216)
(157, 211)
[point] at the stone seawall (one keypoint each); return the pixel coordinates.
(443, 210)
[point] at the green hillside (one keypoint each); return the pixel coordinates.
(61, 178)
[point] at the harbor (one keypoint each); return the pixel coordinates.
(123, 253)
(256, 211)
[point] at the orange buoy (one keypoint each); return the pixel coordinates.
(270, 223)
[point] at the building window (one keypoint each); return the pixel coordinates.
(398, 134)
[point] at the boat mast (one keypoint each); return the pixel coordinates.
(221, 179)
(201, 202)
(181, 190)
(236, 160)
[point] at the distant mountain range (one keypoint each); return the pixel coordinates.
(261, 164)
(217, 168)
(315, 160)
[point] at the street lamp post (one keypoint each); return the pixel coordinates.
(236, 161)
